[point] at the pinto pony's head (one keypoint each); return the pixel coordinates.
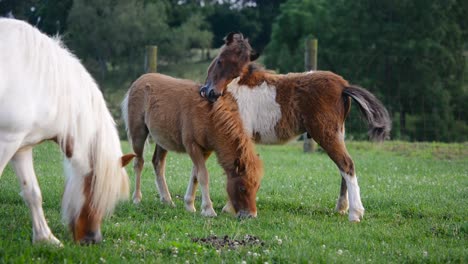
(233, 56)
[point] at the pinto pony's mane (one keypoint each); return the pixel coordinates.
(228, 122)
(87, 131)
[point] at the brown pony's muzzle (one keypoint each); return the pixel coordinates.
(242, 214)
(209, 93)
(91, 238)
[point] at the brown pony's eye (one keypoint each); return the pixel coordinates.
(242, 189)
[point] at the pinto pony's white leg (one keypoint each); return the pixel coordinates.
(356, 209)
(23, 165)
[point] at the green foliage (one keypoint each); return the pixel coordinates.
(114, 34)
(409, 53)
(49, 16)
(414, 194)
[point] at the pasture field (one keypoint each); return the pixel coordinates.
(415, 195)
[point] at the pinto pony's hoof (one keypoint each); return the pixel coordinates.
(356, 215)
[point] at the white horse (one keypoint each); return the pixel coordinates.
(46, 94)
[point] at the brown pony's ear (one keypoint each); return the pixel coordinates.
(125, 159)
(233, 36)
(254, 55)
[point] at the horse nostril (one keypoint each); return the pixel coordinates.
(212, 96)
(203, 92)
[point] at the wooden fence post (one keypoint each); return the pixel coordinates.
(151, 59)
(310, 62)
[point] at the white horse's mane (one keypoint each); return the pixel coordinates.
(81, 115)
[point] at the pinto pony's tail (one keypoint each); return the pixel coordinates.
(373, 110)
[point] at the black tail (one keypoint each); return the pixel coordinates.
(373, 110)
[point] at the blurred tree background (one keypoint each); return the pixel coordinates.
(411, 53)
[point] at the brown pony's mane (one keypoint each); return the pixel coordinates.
(226, 118)
(253, 74)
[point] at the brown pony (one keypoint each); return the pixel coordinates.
(178, 119)
(276, 108)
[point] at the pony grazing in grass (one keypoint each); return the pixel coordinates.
(46, 94)
(276, 108)
(178, 119)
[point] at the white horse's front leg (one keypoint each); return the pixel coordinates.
(22, 163)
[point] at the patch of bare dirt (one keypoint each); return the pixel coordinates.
(225, 241)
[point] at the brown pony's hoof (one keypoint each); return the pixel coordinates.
(208, 212)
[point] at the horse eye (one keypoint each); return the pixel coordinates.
(242, 189)
(218, 62)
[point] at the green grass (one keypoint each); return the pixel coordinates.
(415, 195)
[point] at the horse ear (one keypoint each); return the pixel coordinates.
(254, 55)
(125, 159)
(233, 36)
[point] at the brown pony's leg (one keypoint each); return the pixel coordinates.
(332, 141)
(199, 162)
(189, 198)
(139, 136)
(159, 165)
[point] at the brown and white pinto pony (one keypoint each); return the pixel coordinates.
(276, 108)
(46, 94)
(178, 119)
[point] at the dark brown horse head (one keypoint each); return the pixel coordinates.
(233, 56)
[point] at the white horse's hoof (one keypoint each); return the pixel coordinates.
(50, 240)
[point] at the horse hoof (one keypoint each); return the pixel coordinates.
(229, 209)
(51, 240)
(341, 212)
(190, 208)
(209, 213)
(356, 215)
(136, 198)
(168, 202)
